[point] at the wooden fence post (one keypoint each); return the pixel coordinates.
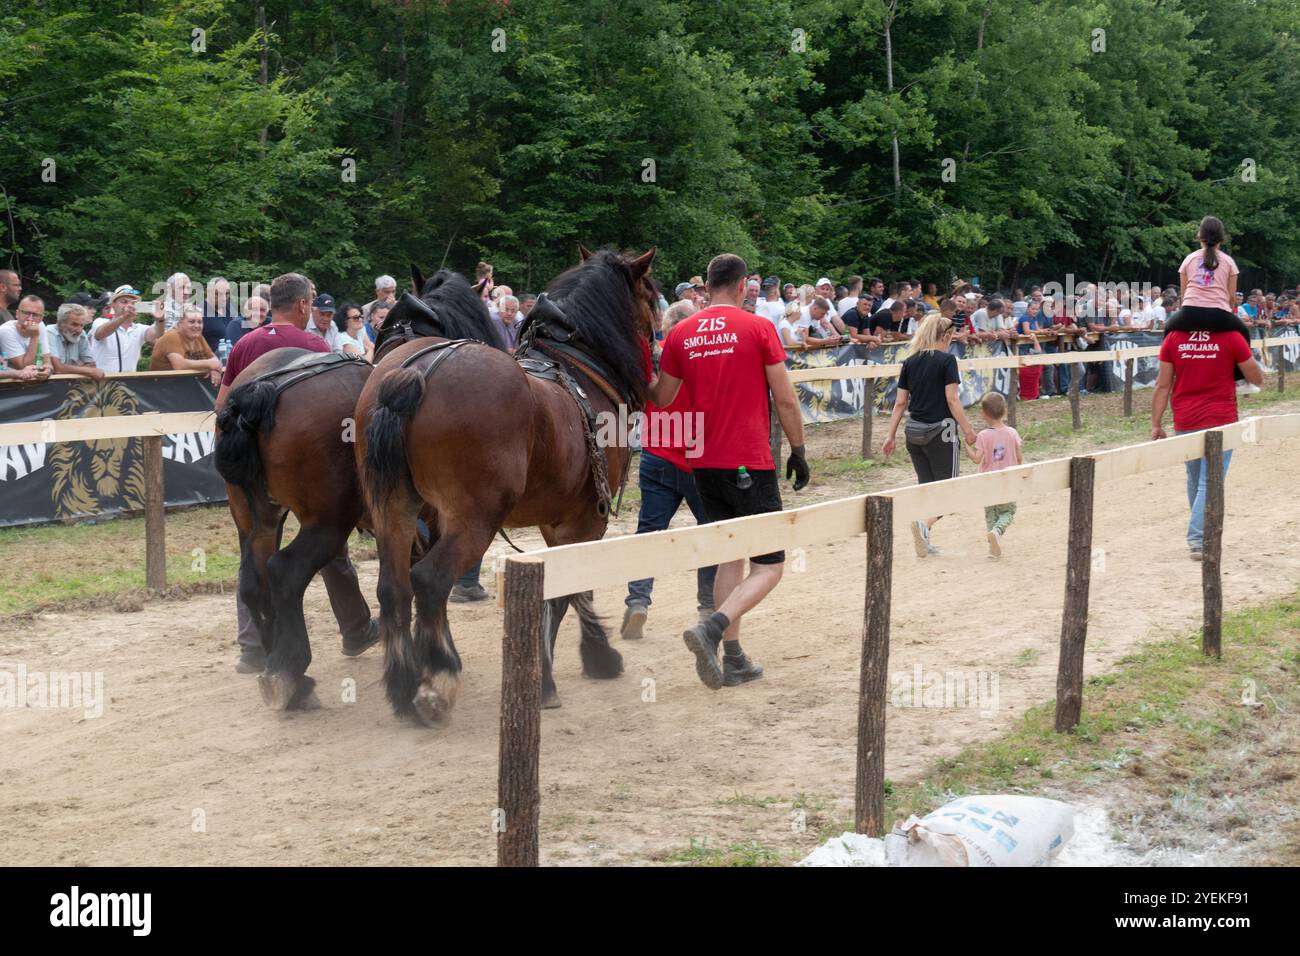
(1078, 576)
(155, 521)
(1212, 547)
(1075, 371)
(1128, 388)
(873, 683)
(1281, 368)
(868, 416)
(518, 790)
(774, 431)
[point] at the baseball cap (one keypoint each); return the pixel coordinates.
(125, 290)
(697, 282)
(80, 298)
(771, 281)
(324, 302)
(823, 281)
(682, 287)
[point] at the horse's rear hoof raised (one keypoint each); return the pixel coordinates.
(436, 696)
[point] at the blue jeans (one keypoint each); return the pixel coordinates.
(663, 488)
(1197, 470)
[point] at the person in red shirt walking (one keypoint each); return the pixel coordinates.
(727, 359)
(1198, 367)
(291, 296)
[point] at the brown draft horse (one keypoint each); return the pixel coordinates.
(284, 444)
(482, 445)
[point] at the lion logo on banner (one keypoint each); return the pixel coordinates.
(96, 476)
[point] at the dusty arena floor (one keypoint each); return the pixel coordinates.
(185, 766)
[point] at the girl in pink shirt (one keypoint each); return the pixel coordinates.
(995, 448)
(1208, 278)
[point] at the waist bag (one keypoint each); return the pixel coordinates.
(922, 433)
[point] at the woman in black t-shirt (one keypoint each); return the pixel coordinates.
(928, 387)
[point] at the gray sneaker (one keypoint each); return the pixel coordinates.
(460, 595)
(252, 660)
(1198, 554)
(634, 622)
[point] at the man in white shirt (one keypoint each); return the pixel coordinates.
(770, 306)
(26, 335)
(850, 301)
(116, 342)
(826, 289)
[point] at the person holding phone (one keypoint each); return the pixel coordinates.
(117, 341)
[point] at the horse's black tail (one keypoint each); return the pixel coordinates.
(249, 411)
(385, 468)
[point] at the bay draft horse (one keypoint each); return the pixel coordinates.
(481, 445)
(284, 444)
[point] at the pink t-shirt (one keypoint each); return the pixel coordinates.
(1208, 289)
(998, 447)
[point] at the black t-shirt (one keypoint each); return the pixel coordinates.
(926, 376)
(884, 319)
(855, 320)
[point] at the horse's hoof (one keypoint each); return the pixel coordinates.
(436, 696)
(278, 689)
(550, 700)
(308, 701)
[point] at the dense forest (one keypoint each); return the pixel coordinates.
(1010, 139)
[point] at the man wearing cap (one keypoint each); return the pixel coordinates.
(385, 291)
(322, 320)
(685, 292)
(727, 359)
(116, 342)
(826, 289)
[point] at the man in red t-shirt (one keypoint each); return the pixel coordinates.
(670, 440)
(1198, 367)
(291, 296)
(727, 359)
(286, 330)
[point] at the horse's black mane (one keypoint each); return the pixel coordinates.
(597, 297)
(461, 314)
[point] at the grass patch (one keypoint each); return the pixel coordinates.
(699, 853)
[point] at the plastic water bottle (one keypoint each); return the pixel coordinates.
(223, 351)
(744, 479)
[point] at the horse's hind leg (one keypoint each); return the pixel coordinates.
(285, 684)
(360, 631)
(432, 578)
(395, 534)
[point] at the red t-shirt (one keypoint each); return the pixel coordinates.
(1205, 396)
(267, 339)
(721, 355)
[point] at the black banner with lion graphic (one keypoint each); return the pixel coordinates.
(58, 481)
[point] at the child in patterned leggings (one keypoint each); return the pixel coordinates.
(997, 446)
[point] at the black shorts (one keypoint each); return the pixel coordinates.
(723, 499)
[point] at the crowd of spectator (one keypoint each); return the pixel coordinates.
(193, 326)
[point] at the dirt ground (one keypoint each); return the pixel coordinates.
(185, 766)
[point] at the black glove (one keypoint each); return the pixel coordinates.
(797, 467)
